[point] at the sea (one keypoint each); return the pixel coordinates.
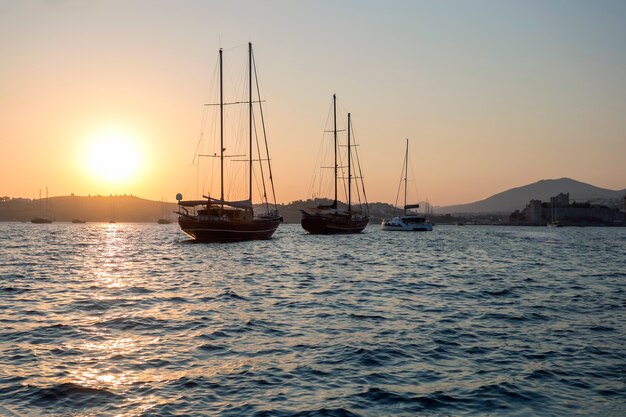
(102, 319)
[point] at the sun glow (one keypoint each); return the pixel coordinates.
(113, 156)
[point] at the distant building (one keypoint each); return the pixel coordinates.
(559, 209)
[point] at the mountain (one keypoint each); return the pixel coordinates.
(91, 209)
(135, 209)
(517, 198)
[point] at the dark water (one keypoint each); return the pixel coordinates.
(131, 320)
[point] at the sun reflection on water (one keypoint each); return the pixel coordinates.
(121, 346)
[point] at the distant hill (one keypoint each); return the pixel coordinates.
(90, 209)
(135, 209)
(517, 198)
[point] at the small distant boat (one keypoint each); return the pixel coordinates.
(42, 219)
(163, 219)
(330, 219)
(553, 215)
(78, 221)
(219, 220)
(407, 222)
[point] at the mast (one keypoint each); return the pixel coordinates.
(406, 163)
(250, 119)
(335, 136)
(349, 171)
(221, 133)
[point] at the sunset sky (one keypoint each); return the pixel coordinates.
(491, 94)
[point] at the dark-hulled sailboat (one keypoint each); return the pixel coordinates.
(333, 219)
(219, 220)
(42, 218)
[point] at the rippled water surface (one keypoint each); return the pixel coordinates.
(132, 319)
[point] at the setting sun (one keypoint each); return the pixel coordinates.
(113, 156)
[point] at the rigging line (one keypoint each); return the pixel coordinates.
(362, 183)
(356, 183)
(358, 160)
(233, 102)
(399, 186)
(225, 156)
(204, 119)
(258, 150)
(267, 150)
(414, 181)
(343, 172)
(257, 182)
(235, 126)
(318, 160)
(232, 48)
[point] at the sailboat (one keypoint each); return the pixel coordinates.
(42, 219)
(331, 219)
(163, 219)
(216, 219)
(407, 222)
(77, 220)
(553, 217)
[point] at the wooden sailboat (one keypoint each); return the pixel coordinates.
(219, 220)
(407, 222)
(42, 218)
(331, 219)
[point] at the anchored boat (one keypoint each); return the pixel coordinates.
(407, 222)
(332, 219)
(218, 219)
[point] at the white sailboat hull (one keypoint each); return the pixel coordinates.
(407, 224)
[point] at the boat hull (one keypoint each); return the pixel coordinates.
(202, 230)
(407, 224)
(406, 228)
(332, 224)
(39, 220)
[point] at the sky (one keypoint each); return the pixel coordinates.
(491, 94)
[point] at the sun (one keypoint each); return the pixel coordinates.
(113, 156)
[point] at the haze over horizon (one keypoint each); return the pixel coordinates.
(492, 95)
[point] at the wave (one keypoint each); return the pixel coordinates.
(126, 323)
(70, 395)
(408, 401)
(320, 412)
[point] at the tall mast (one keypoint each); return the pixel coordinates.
(221, 133)
(335, 136)
(349, 170)
(406, 163)
(250, 119)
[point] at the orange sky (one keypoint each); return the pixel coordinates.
(491, 96)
